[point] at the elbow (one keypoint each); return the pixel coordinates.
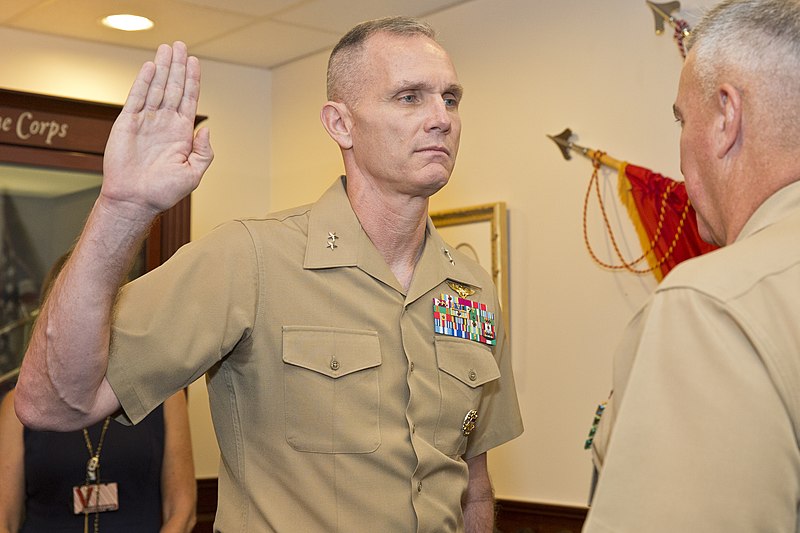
(35, 412)
(26, 409)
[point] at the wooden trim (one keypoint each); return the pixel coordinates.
(529, 517)
(206, 505)
(512, 516)
(42, 157)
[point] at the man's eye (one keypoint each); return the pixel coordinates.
(410, 98)
(451, 102)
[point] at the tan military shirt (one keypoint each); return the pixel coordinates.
(701, 431)
(336, 407)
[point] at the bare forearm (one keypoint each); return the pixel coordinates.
(178, 484)
(183, 523)
(61, 385)
(478, 503)
(479, 516)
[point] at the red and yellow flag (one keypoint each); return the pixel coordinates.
(663, 216)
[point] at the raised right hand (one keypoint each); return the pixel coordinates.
(153, 158)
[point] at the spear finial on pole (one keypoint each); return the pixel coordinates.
(566, 146)
(663, 14)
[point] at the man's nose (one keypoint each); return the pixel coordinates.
(439, 116)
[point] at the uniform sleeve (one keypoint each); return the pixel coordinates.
(702, 440)
(499, 415)
(176, 322)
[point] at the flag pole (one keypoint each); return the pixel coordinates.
(566, 146)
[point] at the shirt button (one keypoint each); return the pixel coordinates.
(411, 367)
(419, 486)
(334, 364)
(413, 428)
(473, 375)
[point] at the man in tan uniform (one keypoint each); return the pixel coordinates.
(357, 367)
(701, 431)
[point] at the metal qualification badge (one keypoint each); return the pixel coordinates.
(464, 319)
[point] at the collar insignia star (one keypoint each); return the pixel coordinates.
(332, 240)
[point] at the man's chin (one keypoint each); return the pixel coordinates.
(437, 183)
(706, 234)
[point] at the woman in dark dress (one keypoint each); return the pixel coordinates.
(46, 486)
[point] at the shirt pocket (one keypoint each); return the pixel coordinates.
(464, 367)
(331, 391)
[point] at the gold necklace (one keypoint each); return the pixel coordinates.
(93, 475)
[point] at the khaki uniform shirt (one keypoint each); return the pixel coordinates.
(701, 431)
(336, 407)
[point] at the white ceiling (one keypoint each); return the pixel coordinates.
(259, 33)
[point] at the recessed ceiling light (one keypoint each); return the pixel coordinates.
(127, 22)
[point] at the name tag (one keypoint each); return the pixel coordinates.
(97, 498)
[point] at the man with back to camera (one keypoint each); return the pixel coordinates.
(336, 404)
(701, 431)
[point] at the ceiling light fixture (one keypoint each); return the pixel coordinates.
(127, 22)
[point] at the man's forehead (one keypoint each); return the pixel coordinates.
(408, 61)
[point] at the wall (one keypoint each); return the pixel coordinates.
(235, 185)
(532, 68)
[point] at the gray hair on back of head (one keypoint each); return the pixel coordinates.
(761, 37)
(344, 63)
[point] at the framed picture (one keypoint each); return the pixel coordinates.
(481, 232)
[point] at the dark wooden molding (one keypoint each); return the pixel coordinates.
(512, 516)
(206, 505)
(533, 517)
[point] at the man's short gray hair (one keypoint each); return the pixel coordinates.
(759, 37)
(344, 64)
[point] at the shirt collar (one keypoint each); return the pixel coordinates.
(781, 204)
(336, 239)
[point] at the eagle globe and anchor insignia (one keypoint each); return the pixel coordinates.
(469, 422)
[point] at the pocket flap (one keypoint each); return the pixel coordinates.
(333, 352)
(467, 361)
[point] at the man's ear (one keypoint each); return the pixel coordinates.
(336, 118)
(729, 109)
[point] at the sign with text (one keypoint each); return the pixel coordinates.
(30, 127)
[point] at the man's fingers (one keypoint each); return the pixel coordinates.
(176, 80)
(155, 93)
(202, 154)
(191, 91)
(138, 93)
(171, 81)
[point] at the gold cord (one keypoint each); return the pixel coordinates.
(94, 457)
(629, 265)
